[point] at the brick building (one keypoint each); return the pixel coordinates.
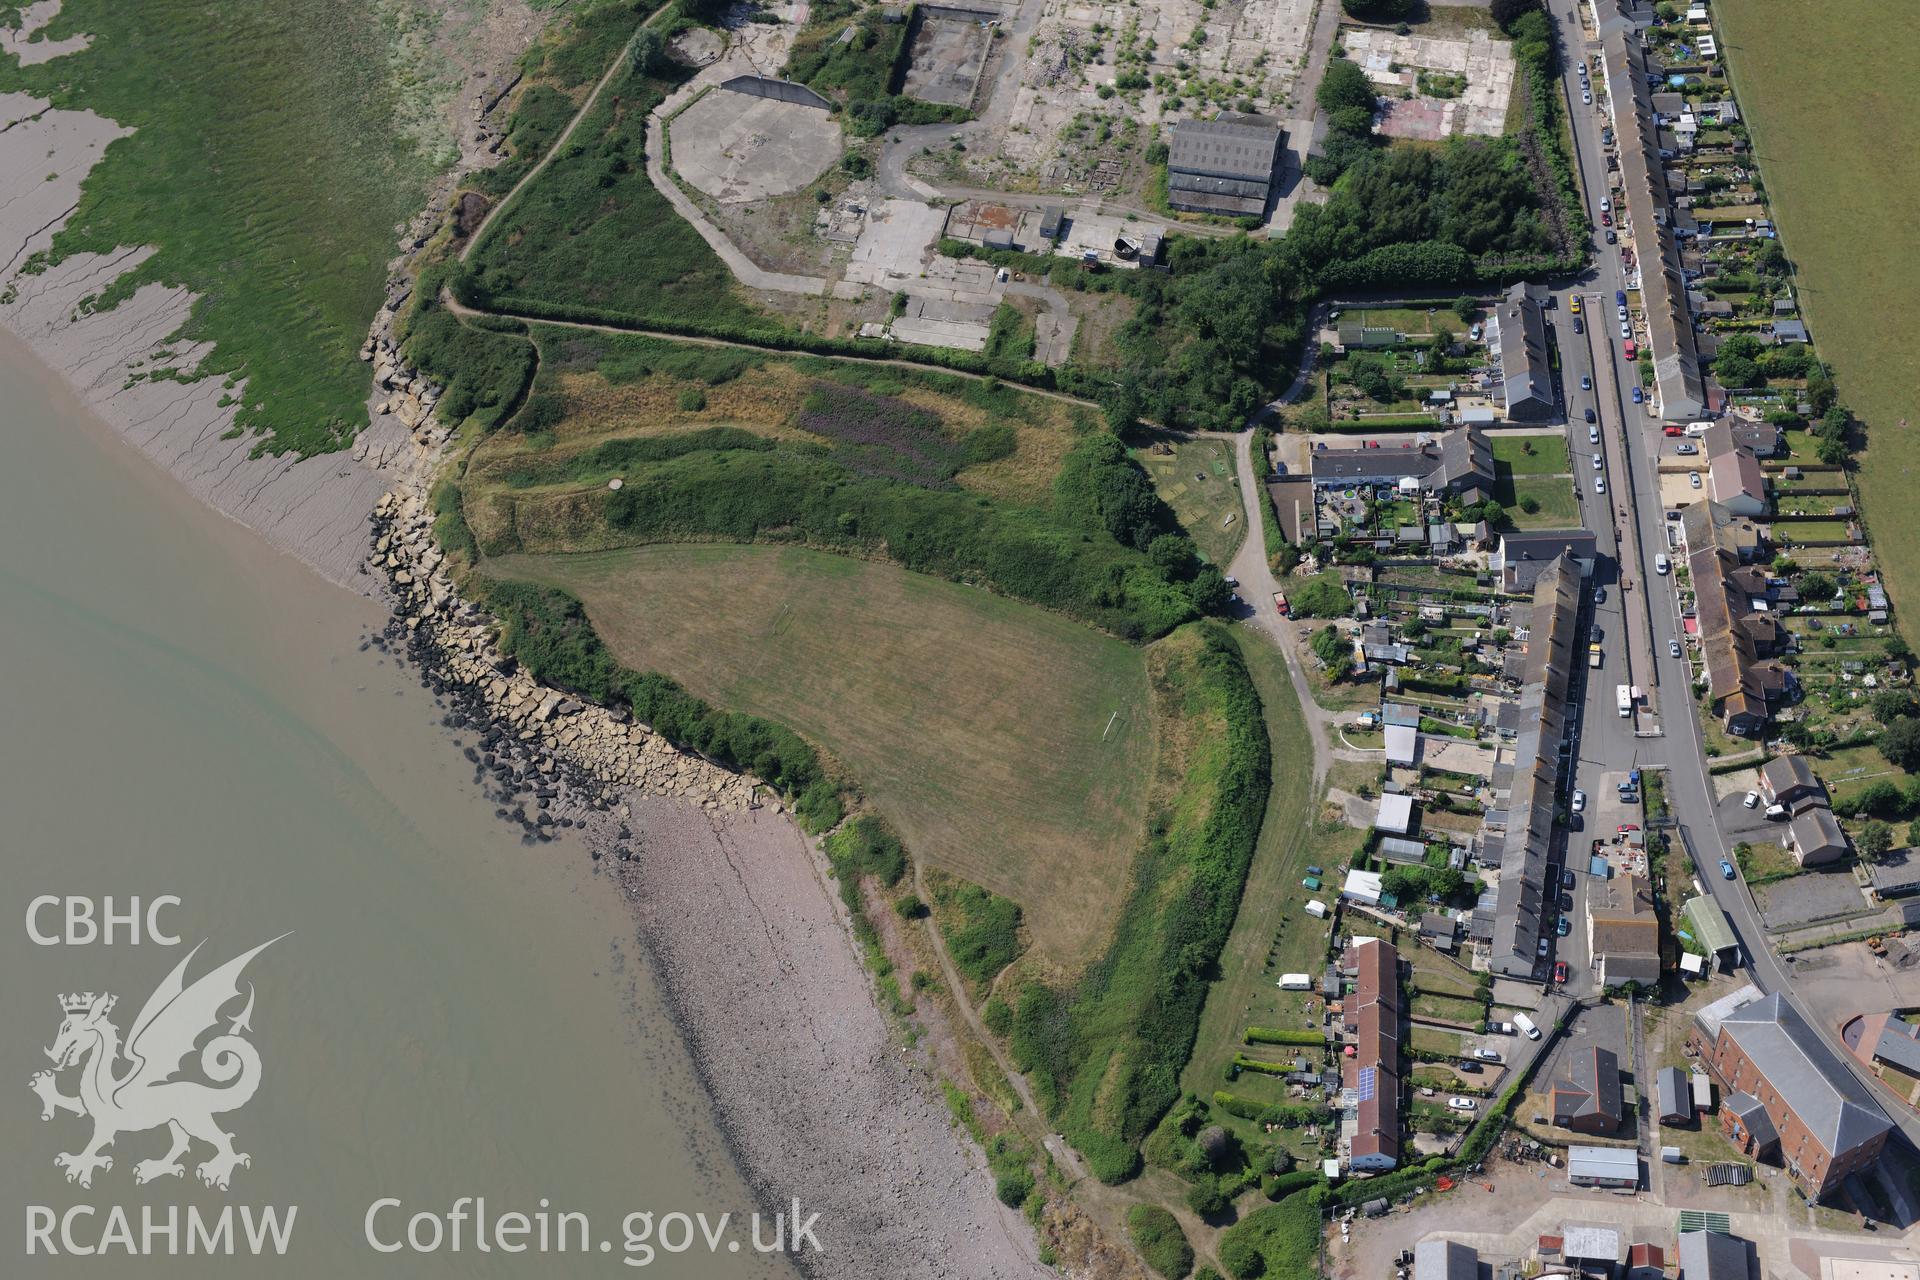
(1789, 1099)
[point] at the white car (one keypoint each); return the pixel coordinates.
(1542, 948)
(1586, 382)
(1579, 801)
(1606, 206)
(1626, 330)
(1752, 801)
(1586, 98)
(1487, 1055)
(1693, 479)
(1593, 435)
(1462, 1104)
(1673, 648)
(1597, 464)
(1600, 484)
(1621, 311)
(1662, 565)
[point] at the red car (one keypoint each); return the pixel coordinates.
(1675, 431)
(1560, 972)
(1606, 219)
(1628, 826)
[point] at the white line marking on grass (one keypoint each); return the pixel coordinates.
(1109, 729)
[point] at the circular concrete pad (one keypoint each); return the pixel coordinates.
(739, 148)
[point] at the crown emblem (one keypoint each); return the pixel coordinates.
(81, 1001)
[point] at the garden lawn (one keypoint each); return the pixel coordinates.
(1555, 505)
(1840, 175)
(1008, 745)
(1532, 455)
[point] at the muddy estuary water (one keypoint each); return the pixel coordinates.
(188, 714)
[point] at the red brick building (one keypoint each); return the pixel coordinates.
(1789, 1099)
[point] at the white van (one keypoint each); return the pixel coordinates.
(1525, 1024)
(1698, 428)
(1661, 564)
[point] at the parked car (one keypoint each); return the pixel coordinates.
(1752, 800)
(1597, 464)
(1599, 595)
(1566, 880)
(1693, 479)
(1574, 305)
(1686, 447)
(1673, 648)
(1599, 484)
(1776, 811)
(1606, 219)
(1487, 1055)
(1469, 1065)
(1662, 565)
(1586, 382)
(1579, 801)
(1619, 297)
(1612, 238)
(1578, 327)
(1560, 972)
(1626, 828)
(1637, 396)
(1586, 97)
(1463, 1104)
(1564, 928)
(1593, 433)
(1726, 869)
(1542, 948)
(1605, 204)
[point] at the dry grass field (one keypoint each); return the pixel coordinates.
(1197, 479)
(1832, 103)
(1010, 747)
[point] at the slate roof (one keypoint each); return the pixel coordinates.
(1445, 1260)
(1710, 1255)
(1521, 901)
(1806, 1074)
(1899, 1044)
(1526, 372)
(1817, 837)
(1786, 778)
(1591, 1089)
(1673, 1095)
(1232, 145)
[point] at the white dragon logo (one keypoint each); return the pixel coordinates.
(145, 1095)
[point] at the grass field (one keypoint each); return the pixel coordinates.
(1273, 934)
(268, 164)
(1839, 170)
(1006, 744)
(1555, 505)
(592, 237)
(1532, 455)
(1199, 482)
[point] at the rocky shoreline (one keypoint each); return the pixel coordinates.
(812, 1090)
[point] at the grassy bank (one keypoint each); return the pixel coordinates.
(1840, 176)
(1007, 745)
(1106, 1051)
(269, 162)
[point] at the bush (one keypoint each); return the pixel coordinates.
(693, 400)
(981, 930)
(1157, 1235)
(547, 630)
(1013, 1186)
(1281, 1240)
(1285, 1035)
(1106, 1053)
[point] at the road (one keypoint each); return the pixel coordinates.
(1631, 473)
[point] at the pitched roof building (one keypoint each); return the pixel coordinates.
(1623, 931)
(1816, 838)
(1790, 780)
(1459, 461)
(1739, 484)
(1713, 1255)
(1522, 896)
(1788, 1096)
(1889, 1046)
(1678, 389)
(1370, 1096)
(1588, 1098)
(1521, 557)
(1526, 371)
(1225, 165)
(1445, 1260)
(1742, 684)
